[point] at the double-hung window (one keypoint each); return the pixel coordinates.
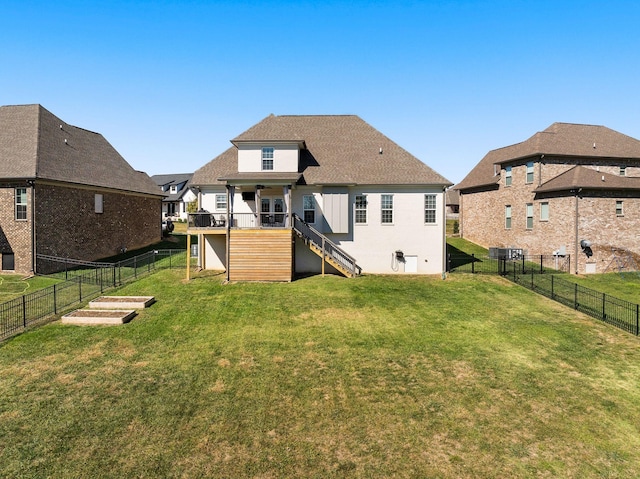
(21, 204)
(361, 209)
(619, 209)
(309, 209)
(429, 209)
(530, 172)
(267, 158)
(386, 206)
(507, 176)
(221, 202)
(529, 216)
(623, 171)
(544, 211)
(507, 217)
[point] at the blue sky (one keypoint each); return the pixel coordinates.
(169, 83)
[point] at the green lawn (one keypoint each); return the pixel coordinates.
(13, 285)
(378, 376)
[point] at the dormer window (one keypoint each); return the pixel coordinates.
(174, 189)
(267, 158)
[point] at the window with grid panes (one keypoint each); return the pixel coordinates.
(386, 206)
(361, 209)
(267, 158)
(429, 208)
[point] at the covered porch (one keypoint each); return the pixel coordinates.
(244, 239)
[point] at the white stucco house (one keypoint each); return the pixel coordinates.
(315, 193)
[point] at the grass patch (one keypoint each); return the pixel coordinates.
(376, 376)
(461, 246)
(13, 285)
(625, 286)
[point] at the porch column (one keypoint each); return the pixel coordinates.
(286, 192)
(258, 207)
(231, 190)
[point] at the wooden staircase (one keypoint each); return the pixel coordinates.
(327, 250)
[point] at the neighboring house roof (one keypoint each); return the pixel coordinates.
(560, 139)
(588, 179)
(35, 144)
(337, 150)
(452, 197)
(180, 180)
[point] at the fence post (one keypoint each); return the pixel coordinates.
(604, 303)
(448, 262)
(637, 319)
(575, 296)
(515, 279)
(524, 270)
(113, 274)
(80, 288)
(55, 303)
(24, 311)
(473, 263)
(541, 269)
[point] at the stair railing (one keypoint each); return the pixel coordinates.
(328, 247)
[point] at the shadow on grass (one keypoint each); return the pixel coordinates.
(457, 258)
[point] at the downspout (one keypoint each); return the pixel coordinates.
(576, 232)
(228, 239)
(444, 232)
(33, 226)
(200, 236)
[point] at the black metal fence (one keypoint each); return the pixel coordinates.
(543, 274)
(485, 264)
(609, 309)
(81, 281)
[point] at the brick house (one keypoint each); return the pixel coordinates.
(296, 194)
(570, 189)
(65, 191)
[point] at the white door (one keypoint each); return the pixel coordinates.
(410, 264)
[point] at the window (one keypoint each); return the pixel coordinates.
(507, 217)
(278, 207)
(173, 189)
(530, 172)
(544, 211)
(361, 209)
(267, 158)
(529, 216)
(619, 210)
(21, 203)
(99, 203)
(221, 202)
(429, 208)
(387, 209)
(623, 171)
(309, 209)
(507, 176)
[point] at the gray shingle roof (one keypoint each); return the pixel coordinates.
(588, 178)
(169, 180)
(340, 149)
(35, 144)
(560, 139)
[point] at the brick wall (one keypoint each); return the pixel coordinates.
(68, 226)
(483, 218)
(15, 235)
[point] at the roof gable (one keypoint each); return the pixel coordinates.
(559, 139)
(340, 149)
(34, 143)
